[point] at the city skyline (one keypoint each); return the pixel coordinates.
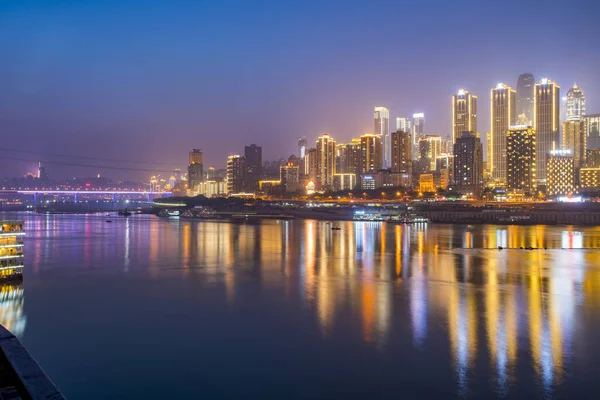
(73, 86)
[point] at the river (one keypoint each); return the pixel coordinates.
(149, 308)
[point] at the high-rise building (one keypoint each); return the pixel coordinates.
(310, 164)
(290, 177)
(418, 129)
(574, 139)
(42, 173)
(546, 123)
(325, 161)
(430, 147)
(382, 128)
(302, 147)
(402, 153)
(560, 174)
(195, 169)
(344, 181)
(254, 168)
(403, 124)
(575, 104)
(370, 148)
(464, 113)
(236, 174)
(503, 116)
(468, 163)
(592, 129)
(445, 167)
(520, 159)
(526, 97)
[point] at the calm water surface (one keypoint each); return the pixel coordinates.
(152, 308)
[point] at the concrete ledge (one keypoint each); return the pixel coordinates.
(28, 378)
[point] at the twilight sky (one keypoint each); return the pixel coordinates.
(149, 80)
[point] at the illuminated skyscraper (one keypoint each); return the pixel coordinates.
(464, 113)
(520, 159)
(418, 129)
(370, 148)
(348, 157)
(503, 107)
(525, 97)
(236, 174)
(402, 153)
(325, 161)
(468, 163)
(310, 164)
(403, 124)
(560, 174)
(575, 104)
(382, 128)
(546, 123)
(195, 169)
(574, 139)
(430, 147)
(302, 147)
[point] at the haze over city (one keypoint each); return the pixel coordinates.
(151, 80)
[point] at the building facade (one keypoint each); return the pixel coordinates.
(526, 98)
(382, 129)
(289, 177)
(402, 153)
(254, 168)
(310, 165)
(370, 149)
(302, 143)
(561, 174)
(344, 181)
(236, 174)
(592, 129)
(464, 113)
(546, 123)
(468, 163)
(589, 179)
(325, 162)
(503, 106)
(520, 160)
(574, 139)
(195, 169)
(430, 147)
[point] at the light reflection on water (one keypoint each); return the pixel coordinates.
(514, 314)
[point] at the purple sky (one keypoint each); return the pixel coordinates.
(149, 80)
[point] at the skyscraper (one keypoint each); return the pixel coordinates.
(370, 148)
(503, 116)
(289, 175)
(464, 113)
(310, 164)
(520, 159)
(525, 97)
(592, 130)
(546, 123)
(302, 146)
(575, 104)
(382, 128)
(418, 129)
(236, 174)
(574, 139)
(195, 169)
(468, 163)
(325, 161)
(348, 157)
(253, 155)
(402, 153)
(430, 147)
(403, 124)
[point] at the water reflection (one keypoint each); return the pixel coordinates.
(11, 308)
(445, 288)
